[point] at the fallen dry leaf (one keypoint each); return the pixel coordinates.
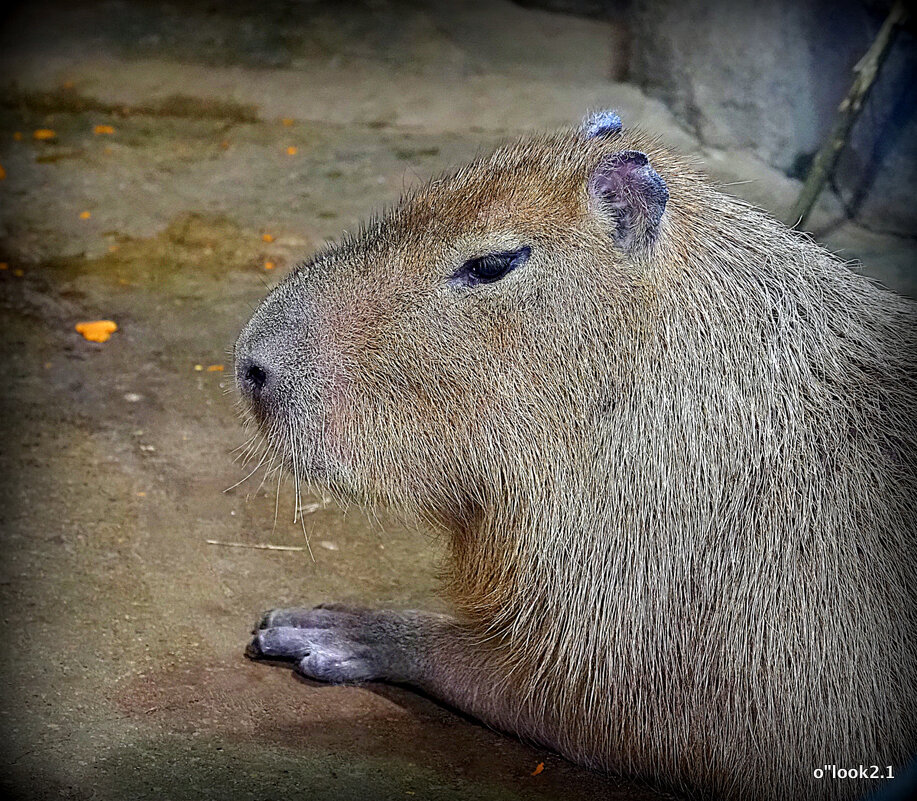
(288, 121)
(44, 133)
(269, 265)
(538, 769)
(267, 238)
(4, 265)
(292, 151)
(2, 173)
(85, 215)
(97, 330)
(103, 129)
(215, 368)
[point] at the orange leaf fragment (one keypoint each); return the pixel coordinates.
(292, 151)
(538, 769)
(215, 368)
(288, 121)
(269, 265)
(267, 238)
(44, 133)
(85, 215)
(4, 265)
(103, 129)
(2, 173)
(97, 330)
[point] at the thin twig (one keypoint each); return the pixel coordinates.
(261, 546)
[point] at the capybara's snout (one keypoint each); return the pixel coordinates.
(257, 368)
(272, 357)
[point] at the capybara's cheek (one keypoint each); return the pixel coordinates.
(336, 412)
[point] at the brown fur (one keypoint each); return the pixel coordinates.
(679, 485)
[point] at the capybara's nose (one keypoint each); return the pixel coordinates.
(254, 378)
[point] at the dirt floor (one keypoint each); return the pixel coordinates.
(239, 136)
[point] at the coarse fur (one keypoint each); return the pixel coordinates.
(678, 481)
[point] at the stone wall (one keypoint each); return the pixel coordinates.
(768, 76)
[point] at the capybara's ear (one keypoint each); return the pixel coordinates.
(600, 124)
(631, 195)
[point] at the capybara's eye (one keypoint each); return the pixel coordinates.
(490, 268)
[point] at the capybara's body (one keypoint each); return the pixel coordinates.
(672, 445)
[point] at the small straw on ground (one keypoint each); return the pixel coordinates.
(260, 546)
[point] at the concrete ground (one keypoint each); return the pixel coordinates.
(123, 628)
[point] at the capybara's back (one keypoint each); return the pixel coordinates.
(672, 444)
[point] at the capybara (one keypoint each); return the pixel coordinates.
(670, 442)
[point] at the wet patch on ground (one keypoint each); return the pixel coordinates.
(66, 100)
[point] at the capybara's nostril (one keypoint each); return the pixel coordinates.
(253, 378)
(256, 377)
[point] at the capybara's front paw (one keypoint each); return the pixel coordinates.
(332, 643)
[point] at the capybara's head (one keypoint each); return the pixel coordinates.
(461, 344)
